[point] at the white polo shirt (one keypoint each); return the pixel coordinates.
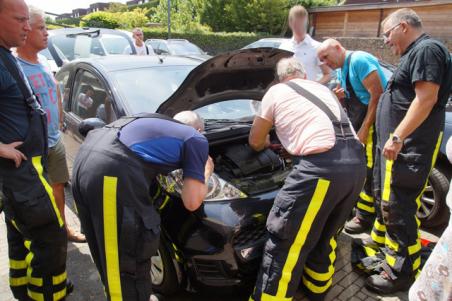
(306, 53)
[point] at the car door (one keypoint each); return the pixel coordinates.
(87, 97)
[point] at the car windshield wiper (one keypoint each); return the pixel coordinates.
(91, 34)
(228, 121)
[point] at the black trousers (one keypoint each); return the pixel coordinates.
(402, 183)
(108, 186)
(308, 213)
(37, 239)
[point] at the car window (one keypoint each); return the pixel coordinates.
(90, 98)
(141, 97)
(154, 44)
(163, 48)
(63, 84)
(237, 109)
(184, 48)
(84, 46)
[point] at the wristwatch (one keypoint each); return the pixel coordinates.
(397, 139)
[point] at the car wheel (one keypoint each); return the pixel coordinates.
(163, 274)
(433, 211)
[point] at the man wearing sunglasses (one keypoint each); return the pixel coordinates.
(409, 122)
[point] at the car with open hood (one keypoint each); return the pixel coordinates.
(220, 244)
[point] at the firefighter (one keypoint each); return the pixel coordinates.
(319, 193)
(37, 242)
(409, 123)
(362, 81)
(113, 174)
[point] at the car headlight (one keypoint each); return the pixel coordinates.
(217, 188)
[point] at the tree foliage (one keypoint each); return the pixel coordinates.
(185, 15)
(251, 15)
(106, 19)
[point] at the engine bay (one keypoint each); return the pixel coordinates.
(250, 171)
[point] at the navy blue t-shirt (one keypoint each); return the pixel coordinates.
(13, 109)
(168, 144)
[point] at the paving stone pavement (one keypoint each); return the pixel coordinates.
(348, 285)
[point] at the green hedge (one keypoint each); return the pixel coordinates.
(211, 42)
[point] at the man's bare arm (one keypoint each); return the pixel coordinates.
(258, 139)
(373, 85)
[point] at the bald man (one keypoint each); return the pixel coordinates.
(362, 81)
(37, 241)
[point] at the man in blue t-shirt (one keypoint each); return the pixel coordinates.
(44, 86)
(113, 182)
(362, 81)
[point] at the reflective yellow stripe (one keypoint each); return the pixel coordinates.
(418, 274)
(435, 156)
(415, 248)
(390, 260)
(417, 263)
(20, 281)
(369, 148)
(366, 197)
(435, 153)
(387, 182)
(59, 295)
(391, 244)
(418, 221)
(38, 166)
(27, 244)
(111, 238)
(35, 281)
(377, 238)
(379, 227)
(328, 275)
(165, 201)
(294, 251)
(365, 207)
(35, 296)
(317, 289)
(369, 251)
(15, 225)
(267, 297)
(59, 278)
(17, 264)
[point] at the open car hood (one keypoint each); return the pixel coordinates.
(244, 74)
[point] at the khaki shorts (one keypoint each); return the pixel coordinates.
(58, 171)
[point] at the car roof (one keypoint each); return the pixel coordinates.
(69, 30)
(113, 63)
(273, 39)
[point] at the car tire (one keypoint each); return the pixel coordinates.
(434, 211)
(163, 273)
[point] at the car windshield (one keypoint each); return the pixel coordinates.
(234, 110)
(139, 95)
(84, 46)
(181, 48)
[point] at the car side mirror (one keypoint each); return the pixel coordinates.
(90, 124)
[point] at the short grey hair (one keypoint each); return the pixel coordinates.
(190, 118)
(35, 13)
(288, 67)
(137, 29)
(405, 15)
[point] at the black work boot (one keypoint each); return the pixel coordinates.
(384, 284)
(357, 225)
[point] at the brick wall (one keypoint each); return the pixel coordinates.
(376, 47)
